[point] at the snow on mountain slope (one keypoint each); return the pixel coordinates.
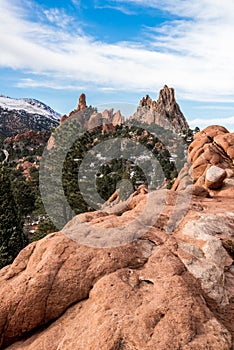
(29, 105)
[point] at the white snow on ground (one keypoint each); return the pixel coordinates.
(29, 105)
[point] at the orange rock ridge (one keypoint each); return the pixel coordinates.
(172, 287)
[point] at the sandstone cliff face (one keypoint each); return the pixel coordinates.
(164, 112)
(153, 272)
(108, 119)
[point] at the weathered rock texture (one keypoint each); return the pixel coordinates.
(164, 112)
(82, 102)
(108, 119)
(171, 286)
(211, 160)
(90, 119)
(214, 177)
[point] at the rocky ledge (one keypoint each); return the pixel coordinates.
(153, 272)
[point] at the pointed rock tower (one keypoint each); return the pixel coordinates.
(82, 102)
(164, 112)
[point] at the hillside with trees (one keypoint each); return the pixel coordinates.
(125, 156)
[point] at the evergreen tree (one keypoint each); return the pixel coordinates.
(44, 227)
(12, 238)
(24, 196)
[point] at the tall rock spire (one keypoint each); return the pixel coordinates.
(164, 112)
(82, 102)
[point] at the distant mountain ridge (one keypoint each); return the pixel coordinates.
(25, 114)
(29, 105)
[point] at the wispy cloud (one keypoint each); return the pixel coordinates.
(31, 83)
(214, 107)
(228, 122)
(124, 9)
(58, 17)
(203, 9)
(76, 3)
(194, 53)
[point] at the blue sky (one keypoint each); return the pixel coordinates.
(117, 51)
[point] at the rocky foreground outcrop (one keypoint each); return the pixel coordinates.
(153, 272)
(210, 161)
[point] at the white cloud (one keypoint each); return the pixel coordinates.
(122, 9)
(203, 9)
(76, 2)
(195, 56)
(31, 83)
(202, 123)
(214, 107)
(58, 17)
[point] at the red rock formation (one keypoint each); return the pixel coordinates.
(164, 112)
(107, 119)
(150, 284)
(94, 121)
(213, 146)
(35, 137)
(90, 120)
(82, 102)
(80, 107)
(214, 177)
(26, 166)
(118, 119)
(146, 102)
(63, 118)
(167, 107)
(225, 141)
(170, 286)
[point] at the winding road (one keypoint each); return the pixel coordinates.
(6, 153)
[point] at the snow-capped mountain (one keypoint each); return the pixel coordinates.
(29, 105)
(25, 114)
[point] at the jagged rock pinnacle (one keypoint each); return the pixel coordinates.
(164, 112)
(82, 102)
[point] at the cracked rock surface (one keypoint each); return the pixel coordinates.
(169, 285)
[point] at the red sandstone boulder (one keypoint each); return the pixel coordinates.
(226, 142)
(211, 131)
(212, 148)
(50, 275)
(215, 177)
